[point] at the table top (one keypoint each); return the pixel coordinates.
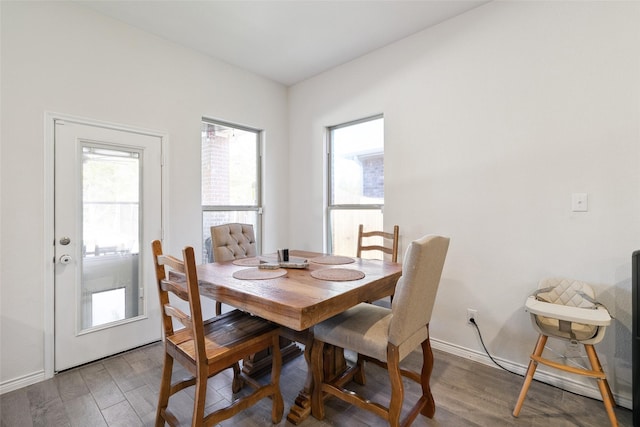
(297, 300)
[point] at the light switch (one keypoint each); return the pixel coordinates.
(579, 202)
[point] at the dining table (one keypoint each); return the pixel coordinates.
(314, 288)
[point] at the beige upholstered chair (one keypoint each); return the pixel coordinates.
(364, 245)
(206, 348)
(230, 242)
(386, 336)
(233, 241)
(566, 309)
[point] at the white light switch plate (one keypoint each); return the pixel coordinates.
(579, 202)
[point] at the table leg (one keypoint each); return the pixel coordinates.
(334, 365)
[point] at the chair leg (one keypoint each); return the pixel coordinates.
(539, 348)
(603, 385)
(317, 401)
(165, 389)
(238, 382)
(429, 409)
(397, 388)
(199, 397)
(277, 408)
(359, 377)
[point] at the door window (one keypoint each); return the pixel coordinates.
(110, 234)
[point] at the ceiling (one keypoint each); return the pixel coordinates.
(286, 41)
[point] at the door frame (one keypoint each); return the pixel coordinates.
(49, 212)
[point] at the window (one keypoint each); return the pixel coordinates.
(230, 178)
(356, 182)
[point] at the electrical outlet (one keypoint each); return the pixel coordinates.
(472, 314)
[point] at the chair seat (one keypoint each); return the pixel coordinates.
(579, 331)
(225, 336)
(363, 328)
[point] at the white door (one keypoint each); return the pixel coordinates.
(107, 211)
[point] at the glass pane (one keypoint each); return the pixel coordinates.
(229, 166)
(110, 232)
(344, 230)
(357, 163)
(210, 218)
(109, 306)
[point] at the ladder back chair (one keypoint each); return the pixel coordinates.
(391, 250)
(207, 348)
(566, 309)
(385, 337)
(367, 245)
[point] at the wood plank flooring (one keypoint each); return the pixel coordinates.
(122, 391)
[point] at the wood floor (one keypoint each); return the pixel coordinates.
(122, 391)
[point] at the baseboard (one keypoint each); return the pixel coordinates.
(20, 382)
(564, 383)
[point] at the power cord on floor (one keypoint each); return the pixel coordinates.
(473, 322)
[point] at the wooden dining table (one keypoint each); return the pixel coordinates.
(297, 300)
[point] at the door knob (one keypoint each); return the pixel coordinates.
(65, 241)
(65, 259)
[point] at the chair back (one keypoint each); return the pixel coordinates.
(416, 289)
(568, 293)
(391, 249)
(179, 277)
(233, 241)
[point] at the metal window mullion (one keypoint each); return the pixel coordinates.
(356, 207)
(230, 208)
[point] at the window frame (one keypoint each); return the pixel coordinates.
(331, 207)
(258, 207)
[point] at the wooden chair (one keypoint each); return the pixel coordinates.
(390, 250)
(566, 309)
(207, 348)
(230, 242)
(385, 337)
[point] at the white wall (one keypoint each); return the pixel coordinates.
(492, 120)
(63, 58)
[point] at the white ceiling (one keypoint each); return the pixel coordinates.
(286, 41)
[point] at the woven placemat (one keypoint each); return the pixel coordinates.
(259, 273)
(337, 274)
(247, 262)
(332, 260)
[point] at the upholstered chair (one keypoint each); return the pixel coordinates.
(230, 242)
(386, 336)
(233, 241)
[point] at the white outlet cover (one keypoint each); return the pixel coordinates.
(579, 202)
